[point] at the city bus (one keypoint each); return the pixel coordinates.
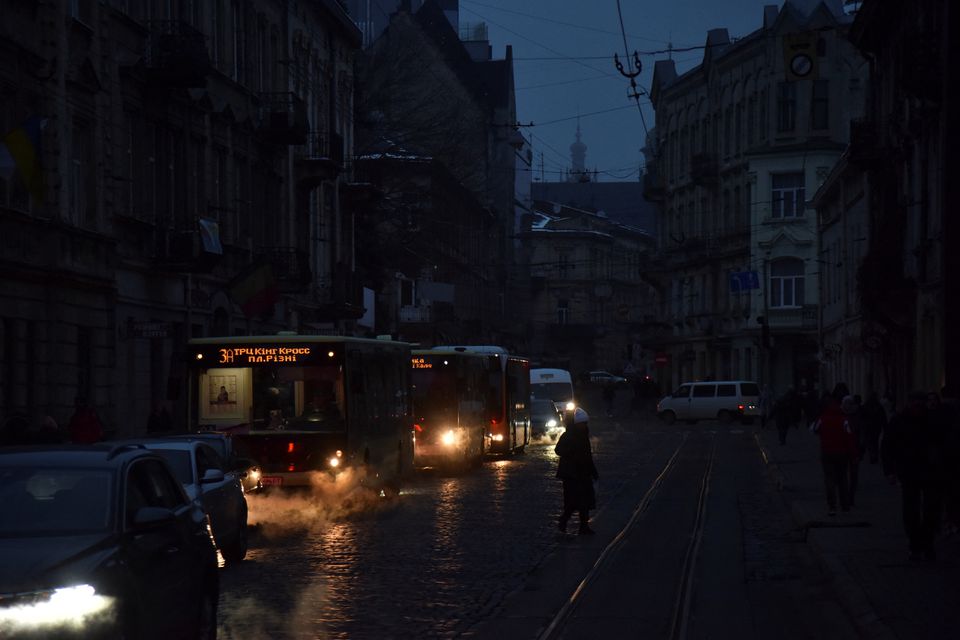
(450, 390)
(299, 404)
(507, 406)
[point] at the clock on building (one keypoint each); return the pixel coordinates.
(801, 65)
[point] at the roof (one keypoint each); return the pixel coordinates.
(621, 202)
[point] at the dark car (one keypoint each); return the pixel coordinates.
(102, 541)
(545, 418)
(248, 471)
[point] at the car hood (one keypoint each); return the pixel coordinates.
(43, 562)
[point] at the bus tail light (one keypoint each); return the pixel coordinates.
(290, 447)
(417, 428)
(291, 467)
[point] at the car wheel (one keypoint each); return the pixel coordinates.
(206, 625)
(668, 417)
(237, 549)
(725, 416)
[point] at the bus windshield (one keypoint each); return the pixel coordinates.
(434, 392)
(302, 398)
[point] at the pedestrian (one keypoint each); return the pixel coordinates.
(576, 470)
(837, 447)
(911, 453)
(951, 457)
(609, 394)
(851, 412)
(85, 426)
(873, 420)
(787, 413)
(765, 402)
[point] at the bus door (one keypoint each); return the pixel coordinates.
(518, 401)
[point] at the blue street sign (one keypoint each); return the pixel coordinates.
(744, 281)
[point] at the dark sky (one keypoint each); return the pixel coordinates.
(573, 42)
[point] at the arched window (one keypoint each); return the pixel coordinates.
(786, 283)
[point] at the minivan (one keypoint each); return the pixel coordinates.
(724, 400)
(553, 384)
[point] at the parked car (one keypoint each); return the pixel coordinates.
(101, 541)
(545, 418)
(605, 377)
(248, 471)
(203, 475)
(724, 400)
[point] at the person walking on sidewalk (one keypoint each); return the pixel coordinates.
(787, 413)
(851, 412)
(577, 471)
(911, 453)
(837, 448)
(951, 454)
(873, 420)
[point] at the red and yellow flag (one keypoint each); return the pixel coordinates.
(255, 289)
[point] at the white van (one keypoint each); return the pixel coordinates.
(724, 400)
(553, 384)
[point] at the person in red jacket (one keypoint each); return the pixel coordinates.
(85, 426)
(838, 448)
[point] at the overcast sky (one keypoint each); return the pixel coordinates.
(563, 52)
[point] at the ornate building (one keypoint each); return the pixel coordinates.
(740, 141)
(186, 176)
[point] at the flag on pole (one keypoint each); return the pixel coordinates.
(20, 152)
(255, 289)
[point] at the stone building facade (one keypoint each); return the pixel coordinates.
(191, 157)
(740, 143)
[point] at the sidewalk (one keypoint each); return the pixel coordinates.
(865, 551)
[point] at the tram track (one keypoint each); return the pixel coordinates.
(684, 592)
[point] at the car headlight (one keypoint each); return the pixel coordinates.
(76, 605)
(571, 406)
(551, 423)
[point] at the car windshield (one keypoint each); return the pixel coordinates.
(543, 408)
(179, 462)
(54, 501)
(556, 391)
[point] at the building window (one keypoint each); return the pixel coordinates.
(563, 312)
(820, 105)
(786, 283)
(787, 195)
(563, 264)
(786, 106)
(82, 176)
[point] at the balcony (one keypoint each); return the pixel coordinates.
(176, 55)
(415, 315)
(704, 168)
(319, 158)
(185, 251)
(793, 318)
(290, 266)
(282, 118)
(572, 331)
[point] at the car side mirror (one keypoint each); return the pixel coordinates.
(153, 517)
(212, 475)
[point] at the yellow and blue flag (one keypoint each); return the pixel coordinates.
(20, 153)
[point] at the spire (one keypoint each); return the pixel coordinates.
(578, 157)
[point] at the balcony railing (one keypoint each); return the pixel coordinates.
(290, 266)
(176, 54)
(319, 158)
(282, 118)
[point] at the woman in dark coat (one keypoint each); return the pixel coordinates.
(577, 471)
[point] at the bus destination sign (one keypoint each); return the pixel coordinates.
(421, 363)
(247, 355)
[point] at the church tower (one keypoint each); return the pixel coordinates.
(578, 157)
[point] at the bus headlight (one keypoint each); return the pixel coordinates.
(448, 438)
(334, 461)
(496, 437)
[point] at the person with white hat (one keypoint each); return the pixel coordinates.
(577, 471)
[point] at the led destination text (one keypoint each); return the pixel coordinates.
(252, 355)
